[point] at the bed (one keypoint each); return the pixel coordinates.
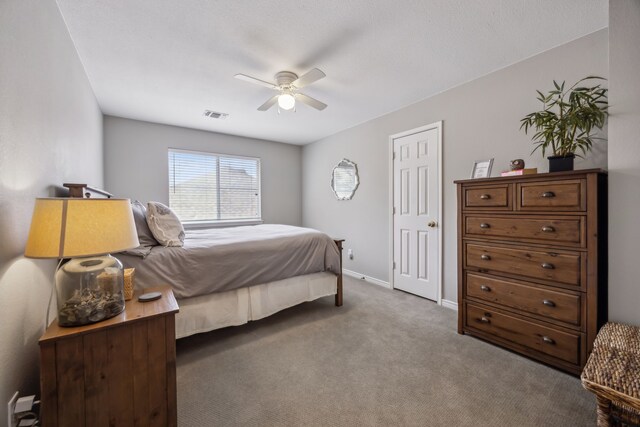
(230, 276)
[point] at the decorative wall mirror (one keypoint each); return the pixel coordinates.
(344, 179)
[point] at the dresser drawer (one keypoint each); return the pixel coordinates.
(489, 197)
(563, 267)
(550, 341)
(534, 229)
(568, 195)
(561, 306)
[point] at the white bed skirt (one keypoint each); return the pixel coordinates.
(214, 311)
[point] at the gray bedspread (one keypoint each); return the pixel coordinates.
(216, 260)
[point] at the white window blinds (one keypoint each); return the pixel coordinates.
(213, 187)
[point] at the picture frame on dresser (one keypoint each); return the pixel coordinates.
(532, 263)
(481, 169)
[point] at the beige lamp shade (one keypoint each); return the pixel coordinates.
(74, 227)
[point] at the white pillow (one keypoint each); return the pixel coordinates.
(164, 224)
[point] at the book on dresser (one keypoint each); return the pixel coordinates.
(532, 263)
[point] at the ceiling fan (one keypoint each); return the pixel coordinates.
(288, 84)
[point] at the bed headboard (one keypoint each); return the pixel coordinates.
(84, 190)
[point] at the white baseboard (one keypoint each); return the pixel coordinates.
(450, 304)
(366, 278)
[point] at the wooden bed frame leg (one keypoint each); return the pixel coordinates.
(339, 280)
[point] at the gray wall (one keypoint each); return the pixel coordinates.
(481, 120)
(136, 163)
(624, 160)
(50, 133)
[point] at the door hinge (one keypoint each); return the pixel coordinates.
(394, 265)
(394, 210)
(394, 155)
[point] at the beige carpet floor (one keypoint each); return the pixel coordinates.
(386, 358)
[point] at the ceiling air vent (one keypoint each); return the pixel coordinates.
(215, 114)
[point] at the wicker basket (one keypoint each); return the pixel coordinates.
(612, 373)
(129, 284)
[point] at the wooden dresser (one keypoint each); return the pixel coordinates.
(532, 265)
(118, 372)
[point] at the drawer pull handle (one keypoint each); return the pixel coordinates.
(548, 340)
(485, 320)
(485, 225)
(548, 229)
(485, 288)
(485, 196)
(549, 303)
(547, 265)
(548, 194)
(485, 257)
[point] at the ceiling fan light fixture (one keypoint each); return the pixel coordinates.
(286, 101)
(287, 85)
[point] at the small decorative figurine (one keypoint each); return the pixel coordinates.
(517, 164)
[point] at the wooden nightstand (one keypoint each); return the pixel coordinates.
(118, 372)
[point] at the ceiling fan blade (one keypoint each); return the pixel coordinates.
(253, 80)
(311, 101)
(270, 103)
(312, 76)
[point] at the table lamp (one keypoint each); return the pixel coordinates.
(89, 287)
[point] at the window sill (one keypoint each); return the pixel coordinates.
(196, 225)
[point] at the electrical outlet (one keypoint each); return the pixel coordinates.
(350, 253)
(11, 421)
(24, 404)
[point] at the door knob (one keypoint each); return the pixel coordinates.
(432, 224)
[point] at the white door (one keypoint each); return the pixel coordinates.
(416, 228)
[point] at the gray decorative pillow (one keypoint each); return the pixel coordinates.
(140, 217)
(164, 224)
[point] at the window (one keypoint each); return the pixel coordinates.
(213, 187)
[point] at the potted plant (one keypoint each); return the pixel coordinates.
(568, 121)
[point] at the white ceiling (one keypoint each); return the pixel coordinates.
(166, 61)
